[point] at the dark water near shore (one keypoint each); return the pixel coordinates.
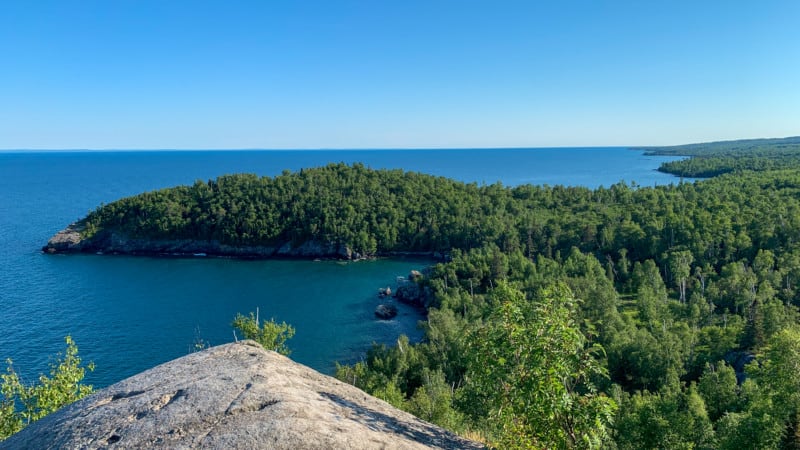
(128, 314)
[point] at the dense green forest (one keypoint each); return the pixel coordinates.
(564, 317)
(717, 158)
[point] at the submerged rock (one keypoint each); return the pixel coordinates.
(233, 396)
(386, 311)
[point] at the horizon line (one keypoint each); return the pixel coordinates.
(153, 149)
(301, 149)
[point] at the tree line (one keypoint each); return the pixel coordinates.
(717, 158)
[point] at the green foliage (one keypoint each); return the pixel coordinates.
(367, 211)
(674, 419)
(643, 358)
(680, 267)
(756, 426)
(720, 390)
(755, 429)
(373, 381)
(433, 401)
(530, 371)
(22, 403)
(778, 377)
(270, 334)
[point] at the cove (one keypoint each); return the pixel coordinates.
(128, 314)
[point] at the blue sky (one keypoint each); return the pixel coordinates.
(373, 74)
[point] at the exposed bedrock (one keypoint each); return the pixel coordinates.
(233, 396)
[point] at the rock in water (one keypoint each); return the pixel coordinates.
(386, 311)
(413, 294)
(233, 396)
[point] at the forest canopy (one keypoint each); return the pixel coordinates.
(564, 317)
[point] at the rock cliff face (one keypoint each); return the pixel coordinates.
(70, 240)
(233, 396)
(66, 240)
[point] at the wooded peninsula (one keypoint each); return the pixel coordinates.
(560, 317)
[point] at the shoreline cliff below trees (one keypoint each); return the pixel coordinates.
(70, 240)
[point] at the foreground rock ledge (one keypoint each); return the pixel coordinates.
(233, 396)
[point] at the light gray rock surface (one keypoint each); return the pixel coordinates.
(233, 396)
(68, 239)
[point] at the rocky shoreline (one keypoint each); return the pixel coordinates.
(70, 240)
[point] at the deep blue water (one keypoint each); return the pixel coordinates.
(128, 314)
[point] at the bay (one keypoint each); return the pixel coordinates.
(128, 314)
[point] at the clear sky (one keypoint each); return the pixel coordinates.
(407, 73)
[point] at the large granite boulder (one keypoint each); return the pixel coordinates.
(233, 396)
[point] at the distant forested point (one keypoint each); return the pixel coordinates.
(354, 209)
(716, 158)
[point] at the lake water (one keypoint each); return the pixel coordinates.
(128, 314)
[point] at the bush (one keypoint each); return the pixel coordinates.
(270, 334)
(22, 404)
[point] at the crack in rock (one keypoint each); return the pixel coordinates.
(121, 395)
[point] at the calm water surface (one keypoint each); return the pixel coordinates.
(128, 314)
